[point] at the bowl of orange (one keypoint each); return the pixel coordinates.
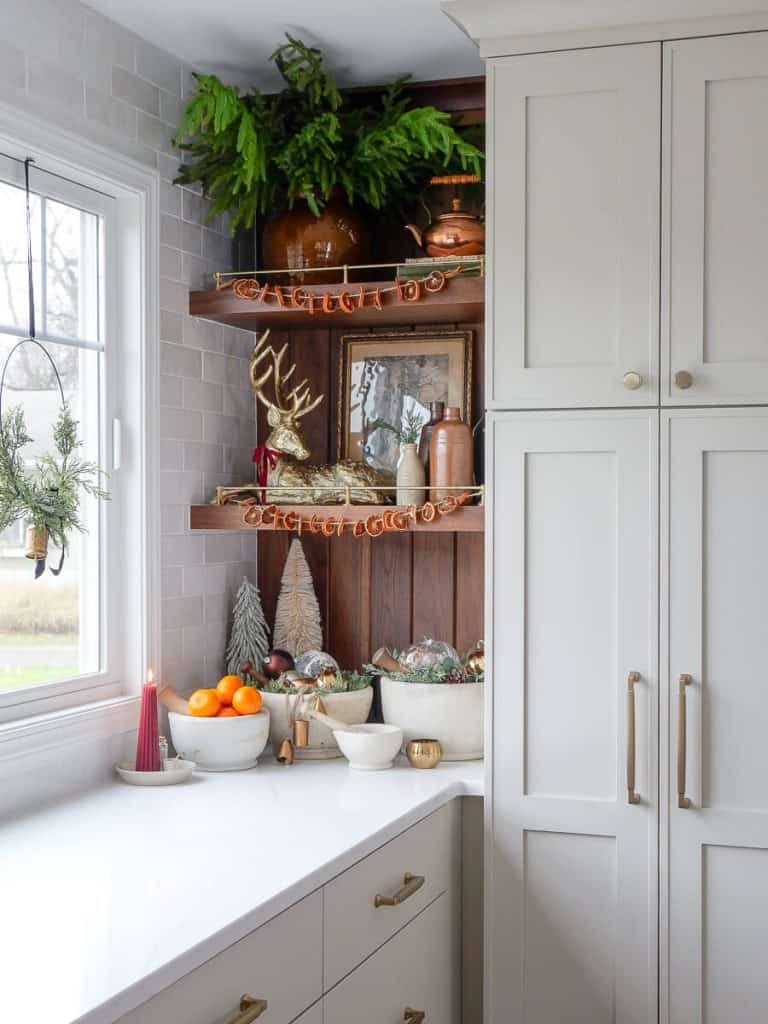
(225, 728)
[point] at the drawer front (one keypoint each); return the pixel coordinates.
(418, 969)
(353, 925)
(280, 962)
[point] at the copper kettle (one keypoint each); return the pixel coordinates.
(455, 233)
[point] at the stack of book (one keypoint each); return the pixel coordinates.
(469, 266)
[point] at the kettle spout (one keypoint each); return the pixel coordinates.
(416, 234)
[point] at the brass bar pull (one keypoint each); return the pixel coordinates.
(632, 796)
(414, 1016)
(682, 730)
(250, 1009)
(411, 884)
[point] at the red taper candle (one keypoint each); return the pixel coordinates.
(148, 744)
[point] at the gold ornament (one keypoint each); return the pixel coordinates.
(327, 679)
(475, 662)
(315, 485)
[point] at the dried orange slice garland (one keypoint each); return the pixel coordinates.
(344, 301)
(334, 524)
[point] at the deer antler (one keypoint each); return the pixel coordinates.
(298, 396)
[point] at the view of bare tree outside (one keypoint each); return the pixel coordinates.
(49, 627)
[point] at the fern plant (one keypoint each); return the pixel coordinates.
(250, 151)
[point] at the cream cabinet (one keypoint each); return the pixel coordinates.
(715, 300)
(573, 197)
(715, 652)
(571, 876)
(389, 924)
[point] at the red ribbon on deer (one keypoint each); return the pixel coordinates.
(265, 459)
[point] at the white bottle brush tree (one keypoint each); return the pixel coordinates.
(249, 637)
(298, 626)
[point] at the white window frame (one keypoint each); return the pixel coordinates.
(105, 701)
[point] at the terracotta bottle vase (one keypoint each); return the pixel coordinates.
(451, 460)
(436, 410)
(410, 477)
(297, 239)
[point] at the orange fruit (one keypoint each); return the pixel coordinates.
(226, 687)
(204, 703)
(247, 700)
(227, 713)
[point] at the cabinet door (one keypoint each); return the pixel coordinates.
(715, 910)
(715, 300)
(418, 969)
(571, 866)
(574, 228)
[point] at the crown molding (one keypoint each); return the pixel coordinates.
(502, 27)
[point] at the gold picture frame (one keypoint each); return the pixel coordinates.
(382, 376)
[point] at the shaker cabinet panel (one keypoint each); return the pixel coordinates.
(572, 645)
(574, 228)
(715, 651)
(715, 239)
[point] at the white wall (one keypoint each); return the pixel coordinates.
(65, 63)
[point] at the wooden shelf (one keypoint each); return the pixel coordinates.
(461, 301)
(230, 517)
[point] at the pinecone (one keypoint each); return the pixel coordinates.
(456, 675)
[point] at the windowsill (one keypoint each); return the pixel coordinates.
(95, 721)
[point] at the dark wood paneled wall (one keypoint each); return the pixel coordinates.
(391, 590)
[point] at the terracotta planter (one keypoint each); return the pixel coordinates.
(36, 542)
(449, 712)
(352, 708)
(297, 239)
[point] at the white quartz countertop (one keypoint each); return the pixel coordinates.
(110, 897)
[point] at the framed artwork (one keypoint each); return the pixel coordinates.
(386, 376)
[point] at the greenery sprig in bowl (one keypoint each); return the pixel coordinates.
(445, 672)
(251, 151)
(346, 682)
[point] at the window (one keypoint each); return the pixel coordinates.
(52, 628)
(83, 635)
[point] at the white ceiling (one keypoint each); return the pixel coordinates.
(366, 41)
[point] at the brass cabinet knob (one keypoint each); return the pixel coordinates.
(683, 380)
(411, 884)
(632, 380)
(414, 1016)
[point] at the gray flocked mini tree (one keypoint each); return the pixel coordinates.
(249, 637)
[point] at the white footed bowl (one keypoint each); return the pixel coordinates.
(449, 712)
(220, 744)
(370, 748)
(352, 708)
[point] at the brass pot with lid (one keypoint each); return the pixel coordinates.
(454, 233)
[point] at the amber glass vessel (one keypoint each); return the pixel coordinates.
(451, 460)
(436, 410)
(296, 239)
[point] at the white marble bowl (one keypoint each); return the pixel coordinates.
(369, 748)
(220, 744)
(449, 712)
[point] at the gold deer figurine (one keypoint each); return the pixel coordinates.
(315, 485)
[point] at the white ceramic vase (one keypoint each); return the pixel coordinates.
(351, 707)
(449, 712)
(410, 476)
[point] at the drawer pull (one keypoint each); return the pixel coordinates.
(411, 884)
(250, 1009)
(414, 1016)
